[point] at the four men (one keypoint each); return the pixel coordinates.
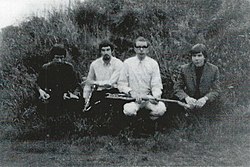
(138, 77)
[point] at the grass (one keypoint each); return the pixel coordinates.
(172, 27)
(221, 143)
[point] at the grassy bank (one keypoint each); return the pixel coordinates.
(223, 143)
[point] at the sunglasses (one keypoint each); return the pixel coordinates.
(144, 47)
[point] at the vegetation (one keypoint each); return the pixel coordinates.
(172, 26)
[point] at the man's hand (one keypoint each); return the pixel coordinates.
(152, 99)
(104, 84)
(107, 86)
(137, 96)
(201, 102)
(191, 101)
(69, 95)
(91, 82)
(43, 95)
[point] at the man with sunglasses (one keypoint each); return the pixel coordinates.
(198, 82)
(140, 78)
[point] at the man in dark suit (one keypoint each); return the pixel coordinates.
(58, 85)
(198, 82)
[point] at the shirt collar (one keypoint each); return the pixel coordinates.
(140, 61)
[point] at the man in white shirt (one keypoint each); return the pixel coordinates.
(140, 78)
(103, 73)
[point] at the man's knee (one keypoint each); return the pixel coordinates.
(161, 108)
(130, 109)
(158, 109)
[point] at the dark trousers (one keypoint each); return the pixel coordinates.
(177, 116)
(103, 113)
(59, 115)
(58, 107)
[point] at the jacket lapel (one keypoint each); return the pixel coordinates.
(204, 73)
(193, 74)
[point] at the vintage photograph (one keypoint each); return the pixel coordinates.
(124, 83)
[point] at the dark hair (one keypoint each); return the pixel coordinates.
(199, 48)
(58, 49)
(141, 39)
(106, 43)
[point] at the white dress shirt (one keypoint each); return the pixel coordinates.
(103, 73)
(143, 77)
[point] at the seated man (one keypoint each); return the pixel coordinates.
(102, 78)
(140, 78)
(198, 82)
(57, 84)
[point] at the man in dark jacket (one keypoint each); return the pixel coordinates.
(198, 82)
(198, 86)
(57, 85)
